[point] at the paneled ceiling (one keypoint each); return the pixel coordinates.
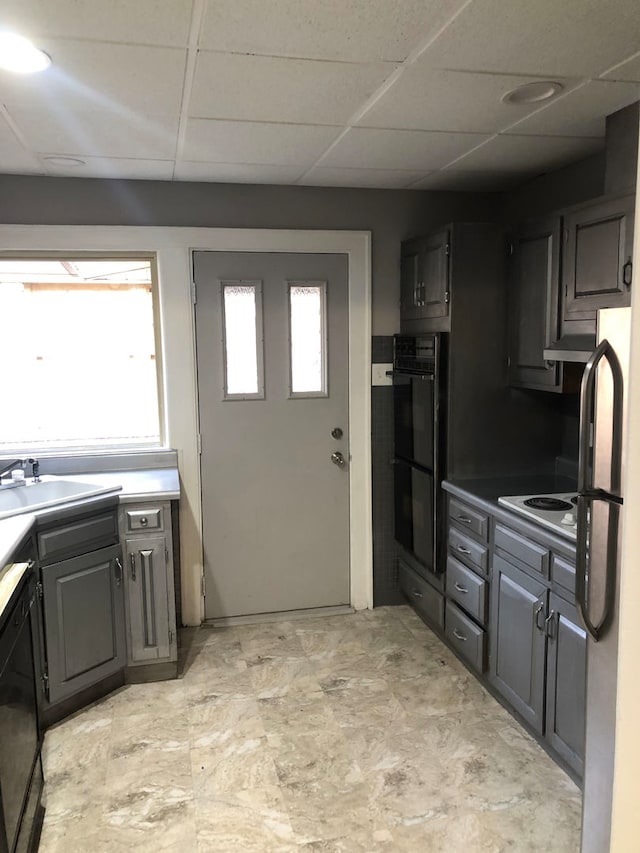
(367, 93)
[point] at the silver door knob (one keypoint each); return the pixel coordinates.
(336, 432)
(338, 459)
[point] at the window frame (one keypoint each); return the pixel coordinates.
(324, 341)
(259, 331)
(116, 447)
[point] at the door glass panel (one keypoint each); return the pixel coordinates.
(307, 337)
(242, 323)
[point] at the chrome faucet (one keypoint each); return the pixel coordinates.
(5, 466)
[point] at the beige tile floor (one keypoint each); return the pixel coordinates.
(356, 733)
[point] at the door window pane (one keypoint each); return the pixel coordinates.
(242, 312)
(307, 306)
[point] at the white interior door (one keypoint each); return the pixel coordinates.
(272, 352)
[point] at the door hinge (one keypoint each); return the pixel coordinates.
(170, 636)
(447, 249)
(39, 590)
(447, 296)
(45, 681)
(194, 295)
(199, 440)
(166, 554)
(203, 586)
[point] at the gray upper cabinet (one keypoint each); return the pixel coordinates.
(149, 584)
(424, 279)
(84, 621)
(517, 655)
(597, 267)
(534, 297)
(566, 682)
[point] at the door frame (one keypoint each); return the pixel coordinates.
(173, 247)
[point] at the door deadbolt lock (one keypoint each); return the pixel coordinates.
(336, 432)
(338, 459)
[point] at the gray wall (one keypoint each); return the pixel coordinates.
(391, 215)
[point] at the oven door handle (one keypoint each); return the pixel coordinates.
(425, 377)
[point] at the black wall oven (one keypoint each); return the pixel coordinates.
(417, 394)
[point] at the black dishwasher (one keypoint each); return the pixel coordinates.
(21, 778)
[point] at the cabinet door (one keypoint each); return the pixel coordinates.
(409, 280)
(597, 258)
(433, 286)
(517, 654)
(84, 621)
(566, 682)
(148, 599)
(534, 304)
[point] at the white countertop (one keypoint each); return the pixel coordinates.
(153, 484)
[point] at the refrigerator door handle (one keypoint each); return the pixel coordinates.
(587, 494)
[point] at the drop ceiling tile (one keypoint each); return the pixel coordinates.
(455, 181)
(408, 150)
(322, 176)
(139, 22)
(356, 30)
(256, 142)
(237, 173)
(116, 168)
(259, 88)
(92, 75)
(99, 134)
(581, 112)
(571, 38)
(14, 159)
(527, 155)
(426, 98)
(628, 70)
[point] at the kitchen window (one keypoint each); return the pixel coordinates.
(79, 354)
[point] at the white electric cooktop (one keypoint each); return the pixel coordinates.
(557, 512)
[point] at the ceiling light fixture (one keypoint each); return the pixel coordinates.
(71, 162)
(533, 93)
(19, 55)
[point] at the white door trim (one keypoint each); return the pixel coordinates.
(173, 247)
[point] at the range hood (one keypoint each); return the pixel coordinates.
(571, 348)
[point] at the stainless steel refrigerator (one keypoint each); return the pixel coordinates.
(600, 500)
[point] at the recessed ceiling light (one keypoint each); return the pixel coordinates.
(19, 55)
(532, 93)
(71, 162)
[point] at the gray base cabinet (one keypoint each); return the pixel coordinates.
(149, 586)
(84, 621)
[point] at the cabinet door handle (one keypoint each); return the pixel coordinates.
(463, 550)
(463, 518)
(627, 273)
(118, 571)
(416, 594)
(132, 562)
(459, 636)
(460, 588)
(549, 625)
(540, 612)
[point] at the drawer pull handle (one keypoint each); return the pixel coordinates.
(459, 636)
(464, 519)
(416, 594)
(460, 588)
(463, 550)
(144, 521)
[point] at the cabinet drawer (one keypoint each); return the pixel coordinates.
(471, 519)
(467, 589)
(468, 551)
(144, 519)
(426, 600)
(530, 553)
(563, 572)
(465, 637)
(87, 534)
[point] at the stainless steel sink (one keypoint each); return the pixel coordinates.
(49, 492)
